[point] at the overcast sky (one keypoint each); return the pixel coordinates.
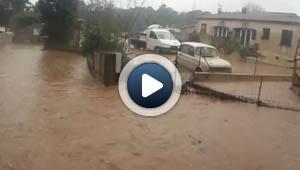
(292, 6)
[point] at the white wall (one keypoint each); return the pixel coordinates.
(268, 47)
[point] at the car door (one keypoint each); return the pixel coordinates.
(186, 57)
(151, 40)
(181, 56)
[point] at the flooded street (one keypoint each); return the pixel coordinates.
(53, 115)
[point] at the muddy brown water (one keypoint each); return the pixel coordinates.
(53, 115)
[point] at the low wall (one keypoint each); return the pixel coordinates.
(219, 77)
(105, 67)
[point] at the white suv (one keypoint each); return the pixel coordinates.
(201, 57)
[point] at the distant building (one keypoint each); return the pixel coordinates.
(276, 34)
(26, 34)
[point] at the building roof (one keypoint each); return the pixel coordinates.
(188, 26)
(255, 16)
(196, 44)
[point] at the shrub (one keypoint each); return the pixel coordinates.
(249, 50)
(232, 46)
(244, 51)
(97, 39)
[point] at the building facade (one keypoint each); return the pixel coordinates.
(276, 34)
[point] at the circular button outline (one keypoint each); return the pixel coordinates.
(157, 72)
(156, 59)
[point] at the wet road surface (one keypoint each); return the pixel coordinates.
(53, 115)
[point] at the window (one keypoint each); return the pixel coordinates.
(221, 32)
(245, 35)
(184, 49)
(164, 35)
(253, 32)
(286, 38)
(203, 28)
(152, 35)
(198, 51)
(191, 51)
(266, 34)
(236, 33)
(208, 52)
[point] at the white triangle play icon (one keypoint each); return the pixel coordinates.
(150, 85)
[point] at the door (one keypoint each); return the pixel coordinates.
(186, 57)
(151, 40)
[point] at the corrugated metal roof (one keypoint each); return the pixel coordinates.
(257, 16)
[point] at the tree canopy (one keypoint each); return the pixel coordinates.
(9, 8)
(253, 7)
(58, 18)
(137, 18)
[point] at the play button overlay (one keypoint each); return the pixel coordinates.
(150, 85)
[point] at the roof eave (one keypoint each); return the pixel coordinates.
(250, 20)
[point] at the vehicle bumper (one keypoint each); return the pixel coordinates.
(220, 70)
(169, 50)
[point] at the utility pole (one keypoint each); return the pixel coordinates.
(259, 103)
(194, 5)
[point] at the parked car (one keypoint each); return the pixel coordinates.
(2, 30)
(156, 38)
(201, 57)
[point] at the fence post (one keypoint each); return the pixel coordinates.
(296, 63)
(255, 66)
(259, 92)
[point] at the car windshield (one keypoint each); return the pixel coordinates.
(165, 35)
(207, 52)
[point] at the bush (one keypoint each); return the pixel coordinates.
(244, 51)
(249, 50)
(97, 39)
(103, 30)
(194, 36)
(232, 46)
(24, 19)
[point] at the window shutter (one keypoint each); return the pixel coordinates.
(253, 35)
(286, 38)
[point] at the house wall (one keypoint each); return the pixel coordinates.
(269, 48)
(24, 34)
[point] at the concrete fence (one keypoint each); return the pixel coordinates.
(105, 67)
(221, 77)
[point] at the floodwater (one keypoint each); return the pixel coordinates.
(53, 115)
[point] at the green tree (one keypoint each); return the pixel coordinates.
(23, 19)
(58, 18)
(9, 8)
